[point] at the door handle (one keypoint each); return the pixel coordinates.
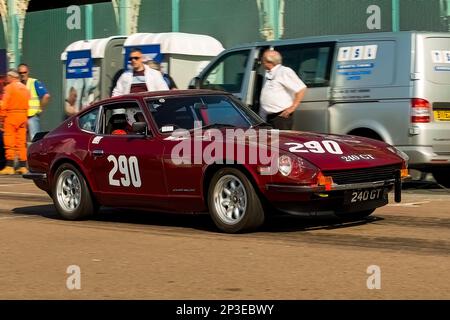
(98, 153)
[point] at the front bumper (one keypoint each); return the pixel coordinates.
(317, 200)
(35, 176)
(351, 186)
(39, 179)
(425, 157)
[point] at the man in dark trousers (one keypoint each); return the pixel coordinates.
(282, 92)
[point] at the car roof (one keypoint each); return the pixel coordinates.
(158, 94)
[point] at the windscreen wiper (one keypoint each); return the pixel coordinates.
(262, 125)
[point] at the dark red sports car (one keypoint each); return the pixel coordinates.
(203, 151)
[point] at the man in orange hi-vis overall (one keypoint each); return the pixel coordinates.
(14, 116)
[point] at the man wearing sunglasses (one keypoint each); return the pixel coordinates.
(140, 78)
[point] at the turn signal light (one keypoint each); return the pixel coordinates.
(404, 173)
(326, 181)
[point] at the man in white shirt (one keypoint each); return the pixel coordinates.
(140, 78)
(282, 92)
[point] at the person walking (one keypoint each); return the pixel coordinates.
(14, 116)
(38, 101)
(282, 92)
(141, 78)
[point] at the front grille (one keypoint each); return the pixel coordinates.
(363, 175)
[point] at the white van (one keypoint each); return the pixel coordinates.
(389, 86)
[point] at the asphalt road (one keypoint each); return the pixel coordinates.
(129, 254)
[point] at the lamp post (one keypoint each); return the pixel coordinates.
(395, 15)
(175, 15)
(89, 21)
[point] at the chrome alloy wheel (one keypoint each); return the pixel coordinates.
(230, 199)
(68, 190)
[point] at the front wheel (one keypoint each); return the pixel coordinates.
(71, 195)
(233, 202)
(442, 176)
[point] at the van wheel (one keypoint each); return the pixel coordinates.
(442, 176)
(71, 195)
(233, 202)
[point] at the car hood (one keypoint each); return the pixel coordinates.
(351, 152)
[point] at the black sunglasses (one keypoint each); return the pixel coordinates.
(134, 58)
(25, 72)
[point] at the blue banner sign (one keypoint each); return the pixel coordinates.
(79, 64)
(149, 51)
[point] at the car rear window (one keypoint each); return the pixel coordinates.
(88, 121)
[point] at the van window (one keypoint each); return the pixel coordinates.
(311, 63)
(227, 74)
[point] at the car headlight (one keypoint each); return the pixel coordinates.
(285, 165)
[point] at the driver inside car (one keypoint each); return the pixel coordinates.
(118, 123)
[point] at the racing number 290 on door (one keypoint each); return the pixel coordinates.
(129, 168)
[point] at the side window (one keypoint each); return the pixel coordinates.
(175, 113)
(228, 73)
(118, 118)
(88, 121)
(312, 63)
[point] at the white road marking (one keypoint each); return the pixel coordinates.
(22, 193)
(16, 217)
(16, 184)
(408, 204)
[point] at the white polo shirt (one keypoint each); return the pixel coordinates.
(279, 89)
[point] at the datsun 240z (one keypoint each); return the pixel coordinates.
(204, 151)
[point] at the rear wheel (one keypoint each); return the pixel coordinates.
(233, 203)
(71, 194)
(442, 176)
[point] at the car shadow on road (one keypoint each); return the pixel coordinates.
(142, 218)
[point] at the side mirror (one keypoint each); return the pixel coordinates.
(194, 83)
(140, 128)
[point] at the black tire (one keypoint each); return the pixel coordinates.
(442, 176)
(252, 215)
(77, 189)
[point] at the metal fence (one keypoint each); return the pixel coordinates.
(46, 33)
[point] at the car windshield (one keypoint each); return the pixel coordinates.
(188, 112)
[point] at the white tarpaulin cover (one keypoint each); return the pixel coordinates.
(178, 43)
(97, 47)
